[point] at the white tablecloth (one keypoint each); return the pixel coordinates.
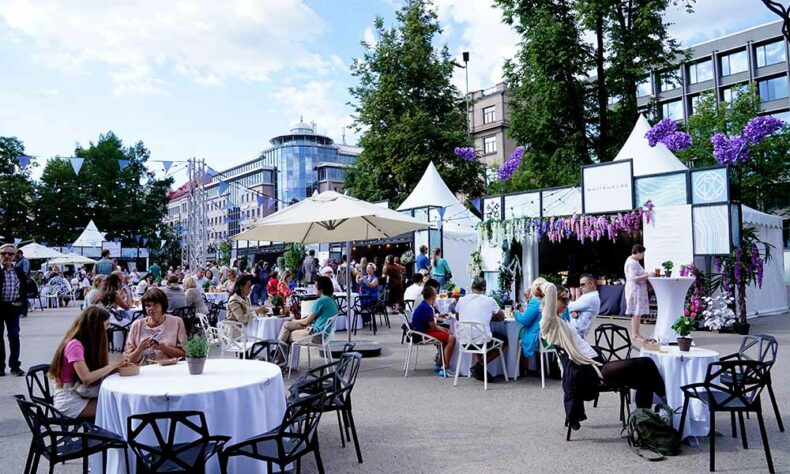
(241, 399)
(509, 327)
(341, 323)
(266, 327)
(682, 368)
(670, 297)
(217, 297)
(443, 304)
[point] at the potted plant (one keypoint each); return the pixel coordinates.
(683, 326)
(277, 304)
(684, 270)
(196, 352)
(718, 313)
(668, 266)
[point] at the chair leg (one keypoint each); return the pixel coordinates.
(340, 425)
(354, 434)
(317, 451)
(309, 362)
(712, 437)
(416, 357)
(29, 458)
(518, 362)
(764, 436)
(346, 425)
(683, 415)
(541, 356)
(568, 435)
(732, 424)
(406, 360)
(743, 430)
(458, 367)
(299, 465)
(485, 371)
(34, 467)
(776, 408)
(504, 367)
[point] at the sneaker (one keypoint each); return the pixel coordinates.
(437, 368)
(18, 372)
(477, 371)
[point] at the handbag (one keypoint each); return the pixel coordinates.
(87, 391)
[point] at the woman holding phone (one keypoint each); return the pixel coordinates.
(158, 335)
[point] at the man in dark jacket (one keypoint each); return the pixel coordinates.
(13, 302)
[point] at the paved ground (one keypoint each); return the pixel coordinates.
(424, 424)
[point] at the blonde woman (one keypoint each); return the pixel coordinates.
(230, 284)
(193, 296)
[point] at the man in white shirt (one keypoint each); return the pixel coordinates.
(585, 308)
(201, 279)
(480, 308)
(415, 289)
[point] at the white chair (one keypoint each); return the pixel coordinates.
(474, 339)
(212, 333)
(417, 339)
(49, 295)
(320, 340)
(73, 297)
(233, 338)
(543, 351)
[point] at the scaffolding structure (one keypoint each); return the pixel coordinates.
(193, 252)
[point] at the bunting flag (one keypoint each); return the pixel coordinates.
(226, 219)
(229, 205)
(157, 234)
(123, 164)
(476, 204)
(261, 200)
(17, 240)
(166, 165)
(270, 204)
(210, 171)
(137, 237)
(68, 246)
(223, 187)
(441, 213)
(2, 210)
(163, 244)
(23, 160)
(116, 239)
(76, 164)
(145, 241)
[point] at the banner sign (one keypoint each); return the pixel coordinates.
(608, 187)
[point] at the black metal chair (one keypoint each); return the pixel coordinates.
(38, 388)
(169, 455)
(748, 377)
(342, 304)
(189, 315)
(763, 348)
(381, 308)
(612, 342)
(269, 350)
(365, 308)
(296, 436)
(337, 380)
(59, 439)
(213, 312)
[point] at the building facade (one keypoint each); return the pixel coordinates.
(759, 55)
(489, 115)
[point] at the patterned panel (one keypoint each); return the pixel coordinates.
(562, 202)
(709, 186)
(669, 190)
(522, 205)
(492, 208)
(711, 230)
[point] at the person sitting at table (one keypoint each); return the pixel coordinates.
(423, 321)
(430, 282)
(144, 284)
(193, 297)
(415, 289)
(529, 318)
(585, 308)
(638, 373)
(369, 289)
(60, 285)
(175, 293)
(329, 273)
(98, 281)
(271, 287)
(284, 289)
(239, 305)
(113, 297)
(211, 278)
(324, 308)
(157, 336)
(230, 284)
(479, 307)
(80, 363)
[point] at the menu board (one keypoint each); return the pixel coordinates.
(668, 237)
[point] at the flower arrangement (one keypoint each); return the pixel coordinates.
(502, 298)
(695, 302)
(475, 263)
(510, 166)
(719, 313)
(277, 301)
(407, 257)
(467, 152)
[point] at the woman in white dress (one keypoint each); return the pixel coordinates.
(636, 299)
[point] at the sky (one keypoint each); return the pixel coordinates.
(216, 80)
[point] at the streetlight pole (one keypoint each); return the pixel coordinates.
(465, 67)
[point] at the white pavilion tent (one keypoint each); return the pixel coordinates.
(647, 159)
(90, 237)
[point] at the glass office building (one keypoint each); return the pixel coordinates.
(296, 156)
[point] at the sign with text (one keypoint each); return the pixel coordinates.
(608, 187)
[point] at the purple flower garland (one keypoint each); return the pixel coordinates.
(467, 152)
(510, 166)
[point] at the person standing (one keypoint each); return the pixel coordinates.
(156, 271)
(309, 267)
(394, 273)
(22, 262)
(423, 262)
(636, 299)
(13, 302)
(105, 266)
(441, 270)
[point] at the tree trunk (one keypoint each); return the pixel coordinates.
(742, 302)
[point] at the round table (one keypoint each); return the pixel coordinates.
(341, 323)
(216, 298)
(443, 304)
(266, 327)
(682, 368)
(509, 327)
(670, 297)
(240, 398)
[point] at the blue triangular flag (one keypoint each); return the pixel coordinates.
(166, 165)
(441, 212)
(137, 236)
(210, 171)
(116, 239)
(270, 202)
(145, 241)
(223, 186)
(68, 246)
(17, 240)
(123, 164)
(163, 244)
(2, 210)
(475, 203)
(23, 160)
(229, 206)
(226, 219)
(157, 234)
(261, 200)
(76, 164)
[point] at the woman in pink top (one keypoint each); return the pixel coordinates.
(81, 362)
(158, 335)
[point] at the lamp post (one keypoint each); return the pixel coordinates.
(465, 67)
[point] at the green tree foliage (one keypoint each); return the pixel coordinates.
(294, 256)
(766, 172)
(408, 111)
(16, 192)
(123, 202)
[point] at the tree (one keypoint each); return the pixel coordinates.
(123, 203)
(16, 192)
(408, 111)
(783, 12)
(548, 93)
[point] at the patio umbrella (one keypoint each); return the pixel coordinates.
(332, 217)
(71, 258)
(34, 251)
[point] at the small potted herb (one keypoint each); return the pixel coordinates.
(668, 266)
(683, 326)
(196, 352)
(277, 304)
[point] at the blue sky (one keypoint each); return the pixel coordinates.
(218, 79)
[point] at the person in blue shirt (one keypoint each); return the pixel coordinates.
(315, 323)
(423, 262)
(529, 318)
(369, 286)
(440, 271)
(423, 321)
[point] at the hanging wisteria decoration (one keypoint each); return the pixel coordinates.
(510, 166)
(666, 132)
(556, 229)
(467, 152)
(760, 127)
(730, 150)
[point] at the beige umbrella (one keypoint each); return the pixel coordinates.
(34, 251)
(71, 258)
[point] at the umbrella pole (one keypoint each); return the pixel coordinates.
(348, 290)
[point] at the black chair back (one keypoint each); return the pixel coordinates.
(189, 315)
(759, 347)
(408, 305)
(299, 425)
(748, 378)
(38, 388)
(613, 342)
(37, 421)
(347, 371)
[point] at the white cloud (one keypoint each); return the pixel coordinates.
(319, 102)
(369, 37)
(145, 43)
(715, 18)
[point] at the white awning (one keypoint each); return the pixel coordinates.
(431, 191)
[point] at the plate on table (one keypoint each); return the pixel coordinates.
(164, 362)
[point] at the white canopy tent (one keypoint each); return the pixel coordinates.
(35, 251)
(90, 237)
(71, 258)
(772, 297)
(458, 224)
(647, 159)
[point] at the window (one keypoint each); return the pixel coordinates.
(770, 53)
(672, 110)
(772, 89)
(731, 93)
(489, 114)
(670, 80)
(489, 145)
(644, 88)
(782, 115)
(693, 104)
(701, 71)
(734, 63)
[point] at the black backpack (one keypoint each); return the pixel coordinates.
(650, 431)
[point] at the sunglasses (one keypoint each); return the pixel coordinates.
(8, 253)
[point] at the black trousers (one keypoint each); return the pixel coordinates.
(9, 320)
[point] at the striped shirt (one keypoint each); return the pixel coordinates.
(10, 292)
